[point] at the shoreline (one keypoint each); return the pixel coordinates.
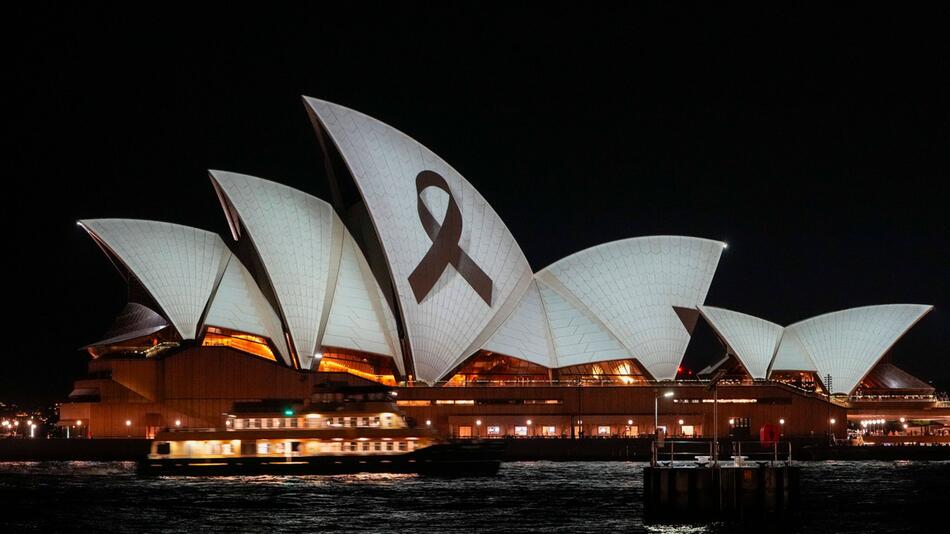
(567, 450)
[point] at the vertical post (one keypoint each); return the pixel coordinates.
(715, 423)
(656, 412)
(671, 454)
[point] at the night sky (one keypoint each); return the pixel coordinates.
(816, 143)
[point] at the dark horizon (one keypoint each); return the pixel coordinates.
(814, 143)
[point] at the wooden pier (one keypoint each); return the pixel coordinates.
(759, 481)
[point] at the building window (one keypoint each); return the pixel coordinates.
(548, 431)
(494, 430)
(603, 430)
(263, 447)
(465, 431)
(687, 430)
(521, 431)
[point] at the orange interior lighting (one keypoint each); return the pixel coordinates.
(256, 345)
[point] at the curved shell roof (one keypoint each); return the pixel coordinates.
(322, 282)
(847, 344)
(238, 304)
(632, 286)
(359, 317)
(296, 235)
(526, 333)
(178, 265)
(751, 339)
(448, 321)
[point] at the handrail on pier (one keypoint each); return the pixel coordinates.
(686, 453)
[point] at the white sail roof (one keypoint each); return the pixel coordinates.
(848, 343)
(751, 339)
(298, 238)
(360, 318)
(632, 287)
(526, 333)
(238, 304)
(450, 319)
(578, 336)
(791, 355)
(178, 265)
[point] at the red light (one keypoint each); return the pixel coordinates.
(679, 369)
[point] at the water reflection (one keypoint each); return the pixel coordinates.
(528, 496)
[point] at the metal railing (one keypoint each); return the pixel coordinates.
(703, 453)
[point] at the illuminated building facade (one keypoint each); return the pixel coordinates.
(409, 278)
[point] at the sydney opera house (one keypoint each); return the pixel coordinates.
(407, 277)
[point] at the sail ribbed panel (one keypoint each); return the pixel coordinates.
(178, 265)
(360, 318)
(299, 240)
(526, 334)
(751, 339)
(464, 289)
(847, 344)
(632, 286)
(239, 305)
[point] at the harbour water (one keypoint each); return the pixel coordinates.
(526, 496)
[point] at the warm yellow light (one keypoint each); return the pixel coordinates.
(177, 422)
(902, 419)
(529, 422)
(478, 422)
(79, 423)
(668, 394)
(243, 342)
(428, 422)
(681, 421)
(328, 365)
(781, 421)
(905, 426)
(128, 423)
(732, 421)
(629, 422)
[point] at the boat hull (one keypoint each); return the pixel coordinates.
(444, 459)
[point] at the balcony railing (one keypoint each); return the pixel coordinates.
(708, 453)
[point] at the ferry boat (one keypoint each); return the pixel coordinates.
(343, 429)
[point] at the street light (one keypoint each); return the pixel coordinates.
(128, 423)
(428, 422)
(656, 409)
(177, 422)
(781, 421)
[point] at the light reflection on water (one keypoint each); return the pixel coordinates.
(525, 496)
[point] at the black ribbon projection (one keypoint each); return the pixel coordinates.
(445, 247)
